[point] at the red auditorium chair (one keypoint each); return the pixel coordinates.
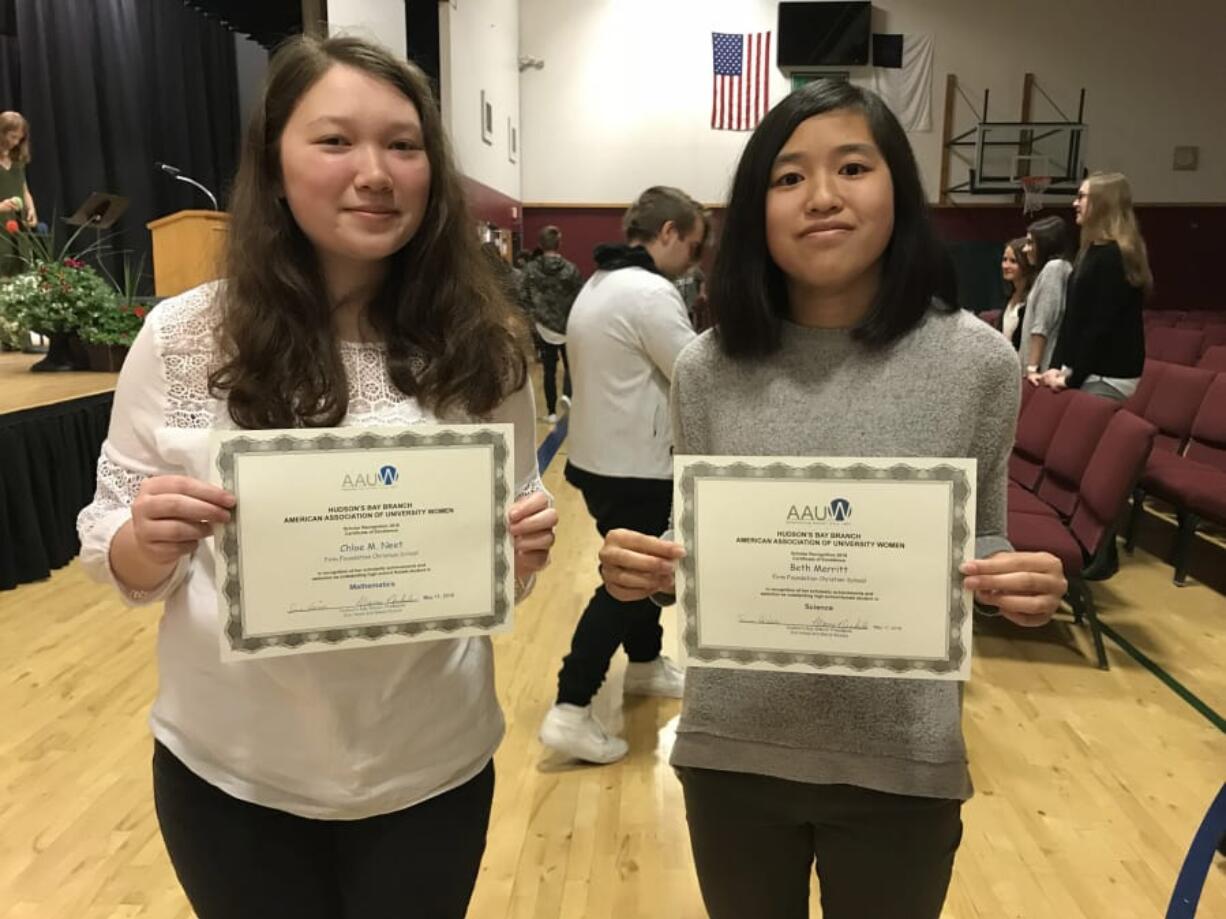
(1213, 359)
(1028, 390)
(1193, 319)
(1175, 346)
(1161, 317)
(1137, 402)
(1083, 545)
(1068, 456)
(1035, 428)
(1055, 494)
(1215, 336)
(1173, 405)
(1194, 482)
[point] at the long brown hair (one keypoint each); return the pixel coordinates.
(1027, 270)
(1111, 217)
(452, 339)
(20, 154)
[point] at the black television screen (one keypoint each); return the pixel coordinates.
(824, 34)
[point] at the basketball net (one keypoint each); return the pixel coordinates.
(1032, 192)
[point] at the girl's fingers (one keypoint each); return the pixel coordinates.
(1018, 582)
(535, 542)
(634, 561)
(644, 544)
(1043, 605)
(528, 506)
(545, 519)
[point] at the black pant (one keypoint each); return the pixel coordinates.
(755, 839)
(616, 503)
(549, 363)
(237, 860)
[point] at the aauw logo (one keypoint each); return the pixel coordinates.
(384, 478)
(839, 509)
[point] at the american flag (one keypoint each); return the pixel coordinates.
(740, 80)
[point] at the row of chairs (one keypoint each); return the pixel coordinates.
(1076, 460)
(1185, 319)
(1201, 342)
(1190, 347)
(1187, 468)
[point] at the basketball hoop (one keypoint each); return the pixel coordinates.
(1032, 192)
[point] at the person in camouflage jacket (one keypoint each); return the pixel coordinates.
(550, 284)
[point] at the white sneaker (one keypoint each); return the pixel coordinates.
(660, 677)
(574, 730)
(564, 403)
(551, 418)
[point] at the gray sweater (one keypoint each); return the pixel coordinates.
(1045, 310)
(949, 388)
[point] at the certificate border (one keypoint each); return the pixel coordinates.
(959, 534)
(230, 555)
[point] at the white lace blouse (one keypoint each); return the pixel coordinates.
(336, 735)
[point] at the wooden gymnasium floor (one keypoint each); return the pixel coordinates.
(1090, 785)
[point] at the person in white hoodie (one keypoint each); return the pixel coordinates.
(625, 330)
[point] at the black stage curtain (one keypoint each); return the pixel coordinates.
(48, 464)
(112, 86)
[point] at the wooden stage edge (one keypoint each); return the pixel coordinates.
(20, 389)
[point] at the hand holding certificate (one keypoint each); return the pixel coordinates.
(354, 537)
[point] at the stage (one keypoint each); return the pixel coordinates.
(20, 389)
(51, 429)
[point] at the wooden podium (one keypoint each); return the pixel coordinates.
(188, 249)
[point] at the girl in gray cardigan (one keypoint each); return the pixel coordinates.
(828, 342)
(1046, 248)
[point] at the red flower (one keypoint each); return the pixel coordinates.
(74, 263)
(139, 312)
(12, 226)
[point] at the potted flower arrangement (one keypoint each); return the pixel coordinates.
(109, 331)
(57, 299)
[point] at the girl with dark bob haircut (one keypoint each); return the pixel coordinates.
(748, 293)
(356, 781)
(1047, 250)
(829, 343)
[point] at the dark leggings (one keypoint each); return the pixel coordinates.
(237, 860)
(607, 623)
(756, 840)
(549, 364)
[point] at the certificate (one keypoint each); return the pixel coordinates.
(357, 537)
(825, 565)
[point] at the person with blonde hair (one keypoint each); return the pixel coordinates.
(16, 202)
(1101, 348)
(356, 782)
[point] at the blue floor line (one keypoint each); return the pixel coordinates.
(549, 446)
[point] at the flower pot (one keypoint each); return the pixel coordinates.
(66, 353)
(105, 358)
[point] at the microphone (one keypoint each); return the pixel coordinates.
(177, 174)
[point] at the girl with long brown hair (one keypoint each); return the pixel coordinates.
(355, 782)
(1018, 275)
(1101, 348)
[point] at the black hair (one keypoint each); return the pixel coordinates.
(1051, 240)
(748, 291)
